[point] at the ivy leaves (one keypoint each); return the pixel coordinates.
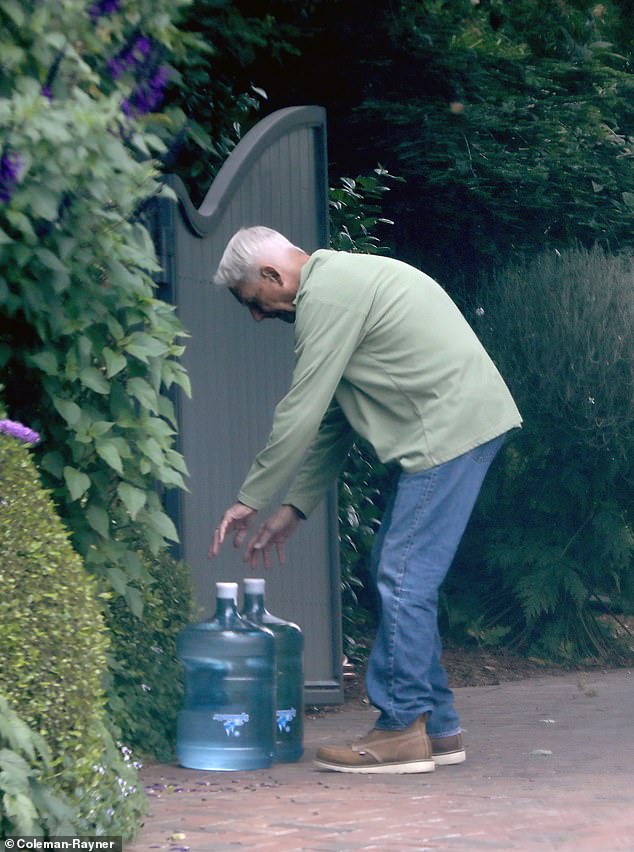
(85, 331)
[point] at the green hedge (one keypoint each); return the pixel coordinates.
(53, 645)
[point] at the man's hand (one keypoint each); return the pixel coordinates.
(237, 517)
(274, 531)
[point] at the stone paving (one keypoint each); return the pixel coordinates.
(550, 766)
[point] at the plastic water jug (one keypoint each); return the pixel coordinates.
(289, 664)
(227, 720)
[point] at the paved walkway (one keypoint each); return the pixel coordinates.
(550, 766)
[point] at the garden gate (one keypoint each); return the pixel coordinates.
(239, 369)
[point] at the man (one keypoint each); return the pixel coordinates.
(381, 351)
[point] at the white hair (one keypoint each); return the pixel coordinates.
(244, 251)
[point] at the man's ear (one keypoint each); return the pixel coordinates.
(270, 273)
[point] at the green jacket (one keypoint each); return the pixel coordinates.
(380, 350)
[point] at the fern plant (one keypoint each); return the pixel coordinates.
(552, 543)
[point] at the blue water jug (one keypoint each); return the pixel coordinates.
(289, 665)
(227, 720)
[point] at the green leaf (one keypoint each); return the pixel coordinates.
(53, 463)
(50, 260)
(628, 198)
(151, 448)
(143, 346)
(4, 238)
(134, 600)
(144, 392)
(99, 520)
(163, 525)
(92, 378)
(115, 362)
(76, 482)
(107, 450)
(44, 203)
(118, 580)
(132, 498)
(45, 361)
(68, 409)
(15, 11)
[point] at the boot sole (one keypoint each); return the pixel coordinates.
(411, 767)
(450, 759)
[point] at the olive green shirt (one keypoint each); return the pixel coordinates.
(380, 350)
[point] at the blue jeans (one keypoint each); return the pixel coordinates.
(413, 550)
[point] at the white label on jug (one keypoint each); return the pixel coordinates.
(284, 719)
(231, 722)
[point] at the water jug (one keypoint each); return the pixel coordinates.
(227, 720)
(289, 664)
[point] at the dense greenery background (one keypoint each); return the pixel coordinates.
(509, 125)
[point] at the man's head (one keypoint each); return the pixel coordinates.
(262, 268)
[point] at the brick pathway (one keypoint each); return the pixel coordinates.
(550, 766)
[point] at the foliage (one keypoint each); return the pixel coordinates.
(553, 534)
(146, 685)
(52, 645)
(218, 85)
(27, 805)
(511, 120)
(355, 212)
(87, 351)
(355, 216)
(518, 132)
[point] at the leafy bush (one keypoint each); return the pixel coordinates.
(553, 534)
(145, 689)
(52, 646)
(27, 805)
(355, 219)
(88, 352)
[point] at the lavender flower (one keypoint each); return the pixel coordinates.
(103, 7)
(11, 170)
(19, 431)
(47, 92)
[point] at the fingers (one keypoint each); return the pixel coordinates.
(236, 517)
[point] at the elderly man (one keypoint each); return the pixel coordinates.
(380, 351)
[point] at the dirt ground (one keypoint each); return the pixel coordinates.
(472, 666)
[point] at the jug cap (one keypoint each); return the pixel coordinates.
(254, 585)
(227, 590)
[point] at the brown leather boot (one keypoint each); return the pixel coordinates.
(388, 752)
(448, 751)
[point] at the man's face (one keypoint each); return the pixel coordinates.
(266, 297)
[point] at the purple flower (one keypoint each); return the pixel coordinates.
(135, 53)
(47, 92)
(147, 96)
(103, 7)
(11, 170)
(19, 431)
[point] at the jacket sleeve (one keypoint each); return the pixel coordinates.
(323, 461)
(327, 334)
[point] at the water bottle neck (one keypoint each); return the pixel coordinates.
(225, 609)
(254, 605)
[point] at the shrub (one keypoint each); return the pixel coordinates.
(88, 352)
(146, 678)
(52, 647)
(553, 532)
(27, 805)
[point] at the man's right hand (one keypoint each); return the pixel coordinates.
(237, 517)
